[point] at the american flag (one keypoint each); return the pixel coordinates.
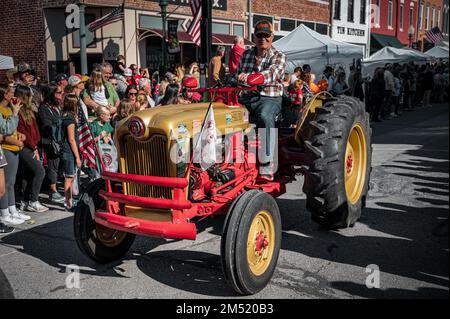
(115, 15)
(194, 28)
(86, 141)
(435, 35)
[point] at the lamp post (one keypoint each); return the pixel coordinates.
(163, 4)
(411, 31)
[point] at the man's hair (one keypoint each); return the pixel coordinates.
(298, 69)
(220, 49)
(105, 65)
(143, 82)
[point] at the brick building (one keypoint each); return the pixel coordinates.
(38, 32)
(430, 16)
(391, 23)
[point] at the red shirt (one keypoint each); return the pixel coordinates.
(235, 56)
(296, 97)
(33, 137)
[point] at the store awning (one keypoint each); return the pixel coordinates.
(6, 62)
(386, 41)
(183, 37)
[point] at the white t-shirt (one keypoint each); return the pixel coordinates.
(99, 97)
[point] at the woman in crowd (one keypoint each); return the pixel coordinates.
(70, 153)
(126, 108)
(132, 93)
(194, 71)
(172, 95)
(340, 86)
(11, 144)
(29, 156)
(49, 119)
(427, 85)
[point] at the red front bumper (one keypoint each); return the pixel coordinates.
(178, 228)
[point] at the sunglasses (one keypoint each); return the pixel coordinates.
(263, 35)
(132, 93)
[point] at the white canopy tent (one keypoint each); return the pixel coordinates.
(305, 46)
(6, 62)
(392, 55)
(438, 52)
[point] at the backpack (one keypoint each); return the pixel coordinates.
(57, 141)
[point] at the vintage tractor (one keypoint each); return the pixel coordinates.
(158, 193)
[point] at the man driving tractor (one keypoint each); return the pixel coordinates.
(265, 59)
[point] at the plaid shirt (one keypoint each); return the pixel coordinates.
(272, 66)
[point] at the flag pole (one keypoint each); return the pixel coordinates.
(199, 137)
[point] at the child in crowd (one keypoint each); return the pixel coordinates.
(142, 102)
(101, 128)
(97, 89)
(297, 101)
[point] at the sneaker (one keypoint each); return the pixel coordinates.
(56, 197)
(37, 207)
(4, 229)
(10, 220)
(23, 206)
(20, 215)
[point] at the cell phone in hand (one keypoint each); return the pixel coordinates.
(14, 100)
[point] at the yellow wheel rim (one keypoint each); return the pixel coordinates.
(355, 165)
(109, 237)
(260, 243)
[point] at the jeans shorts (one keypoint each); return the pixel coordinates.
(68, 165)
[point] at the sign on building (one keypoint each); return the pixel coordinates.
(217, 4)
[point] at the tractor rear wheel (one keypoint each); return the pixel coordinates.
(101, 244)
(338, 159)
(251, 242)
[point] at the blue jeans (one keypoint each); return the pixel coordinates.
(264, 110)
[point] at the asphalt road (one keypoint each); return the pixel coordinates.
(404, 231)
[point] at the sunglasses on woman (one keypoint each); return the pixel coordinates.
(132, 93)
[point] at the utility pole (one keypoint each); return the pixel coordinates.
(250, 19)
(206, 31)
(163, 4)
(82, 34)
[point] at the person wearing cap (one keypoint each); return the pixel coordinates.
(76, 86)
(62, 80)
(128, 74)
(26, 77)
(271, 63)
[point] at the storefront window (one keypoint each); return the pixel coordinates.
(238, 30)
(220, 28)
(322, 28)
(287, 25)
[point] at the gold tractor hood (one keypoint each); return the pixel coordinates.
(177, 121)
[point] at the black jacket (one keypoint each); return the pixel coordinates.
(47, 118)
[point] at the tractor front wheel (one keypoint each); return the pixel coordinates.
(251, 242)
(101, 244)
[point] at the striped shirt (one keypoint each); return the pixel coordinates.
(272, 65)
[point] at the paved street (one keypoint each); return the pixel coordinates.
(404, 231)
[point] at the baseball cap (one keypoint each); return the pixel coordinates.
(23, 67)
(264, 26)
(77, 79)
(61, 77)
(128, 72)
